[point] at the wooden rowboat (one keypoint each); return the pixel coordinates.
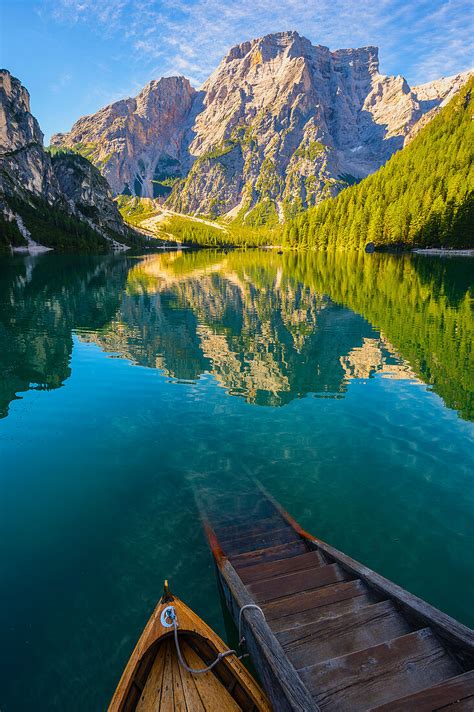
(156, 679)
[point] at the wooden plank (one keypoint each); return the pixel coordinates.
(190, 691)
(456, 634)
(365, 628)
(214, 696)
(295, 582)
(310, 600)
(150, 698)
(179, 700)
(378, 675)
(321, 614)
(271, 553)
(251, 542)
(267, 524)
(454, 694)
(256, 510)
(267, 570)
(167, 693)
(284, 687)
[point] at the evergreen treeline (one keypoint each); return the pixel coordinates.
(424, 195)
(192, 232)
(51, 226)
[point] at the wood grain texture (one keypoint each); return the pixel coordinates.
(321, 614)
(364, 628)
(214, 697)
(190, 692)
(264, 525)
(250, 542)
(270, 569)
(270, 553)
(282, 683)
(151, 695)
(454, 633)
(295, 582)
(456, 694)
(309, 600)
(377, 675)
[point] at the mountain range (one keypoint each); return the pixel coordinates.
(280, 125)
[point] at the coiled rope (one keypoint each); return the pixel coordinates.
(171, 614)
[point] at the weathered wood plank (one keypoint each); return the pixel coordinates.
(365, 628)
(150, 698)
(167, 693)
(190, 691)
(377, 675)
(454, 633)
(259, 526)
(271, 553)
(282, 683)
(310, 600)
(214, 696)
(250, 542)
(179, 700)
(260, 572)
(458, 636)
(456, 694)
(290, 584)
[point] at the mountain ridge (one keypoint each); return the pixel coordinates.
(62, 199)
(279, 125)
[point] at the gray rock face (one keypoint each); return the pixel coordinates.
(88, 192)
(27, 172)
(137, 143)
(280, 124)
(23, 162)
(433, 96)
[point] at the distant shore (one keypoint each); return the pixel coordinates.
(443, 252)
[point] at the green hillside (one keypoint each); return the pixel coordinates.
(424, 195)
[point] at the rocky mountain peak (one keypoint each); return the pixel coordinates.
(280, 124)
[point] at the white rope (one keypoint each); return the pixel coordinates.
(244, 608)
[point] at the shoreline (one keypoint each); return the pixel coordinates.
(446, 252)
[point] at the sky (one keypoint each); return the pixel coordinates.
(75, 56)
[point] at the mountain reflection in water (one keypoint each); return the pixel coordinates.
(268, 327)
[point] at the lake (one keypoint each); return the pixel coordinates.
(132, 385)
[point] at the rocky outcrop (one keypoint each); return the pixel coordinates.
(36, 188)
(139, 144)
(88, 193)
(280, 124)
(433, 96)
(24, 165)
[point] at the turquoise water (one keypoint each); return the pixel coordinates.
(129, 385)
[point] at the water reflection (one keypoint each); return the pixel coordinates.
(42, 300)
(268, 327)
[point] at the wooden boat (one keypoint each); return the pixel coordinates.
(328, 633)
(155, 678)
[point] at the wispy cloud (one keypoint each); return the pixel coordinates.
(60, 82)
(420, 38)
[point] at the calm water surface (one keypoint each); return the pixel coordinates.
(128, 385)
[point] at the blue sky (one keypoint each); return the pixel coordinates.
(75, 56)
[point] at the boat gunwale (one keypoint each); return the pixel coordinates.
(192, 626)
